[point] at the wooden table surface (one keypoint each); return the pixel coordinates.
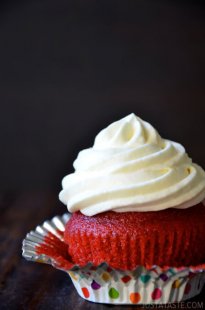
(27, 285)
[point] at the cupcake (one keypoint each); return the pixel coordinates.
(136, 230)
(136, 200)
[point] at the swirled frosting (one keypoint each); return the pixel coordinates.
(131, 168)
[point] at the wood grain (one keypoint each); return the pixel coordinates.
(26, 285)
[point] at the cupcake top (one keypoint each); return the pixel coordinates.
(131, 168)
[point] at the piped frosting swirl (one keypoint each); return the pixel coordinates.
(131, 168)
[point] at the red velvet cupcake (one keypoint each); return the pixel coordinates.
(136, 233)
(136, 200)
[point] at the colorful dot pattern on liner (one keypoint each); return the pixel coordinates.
(106, 285)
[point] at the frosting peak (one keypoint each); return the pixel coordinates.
(131, 168)
(129, 132)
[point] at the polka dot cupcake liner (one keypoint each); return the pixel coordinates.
(103, 284)
(141, 286)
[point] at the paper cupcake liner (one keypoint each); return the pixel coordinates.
(103, 284)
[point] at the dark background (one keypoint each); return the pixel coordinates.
(68, 68)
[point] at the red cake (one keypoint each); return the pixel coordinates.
(171, 237)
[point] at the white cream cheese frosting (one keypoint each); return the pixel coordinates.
(131, 168)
